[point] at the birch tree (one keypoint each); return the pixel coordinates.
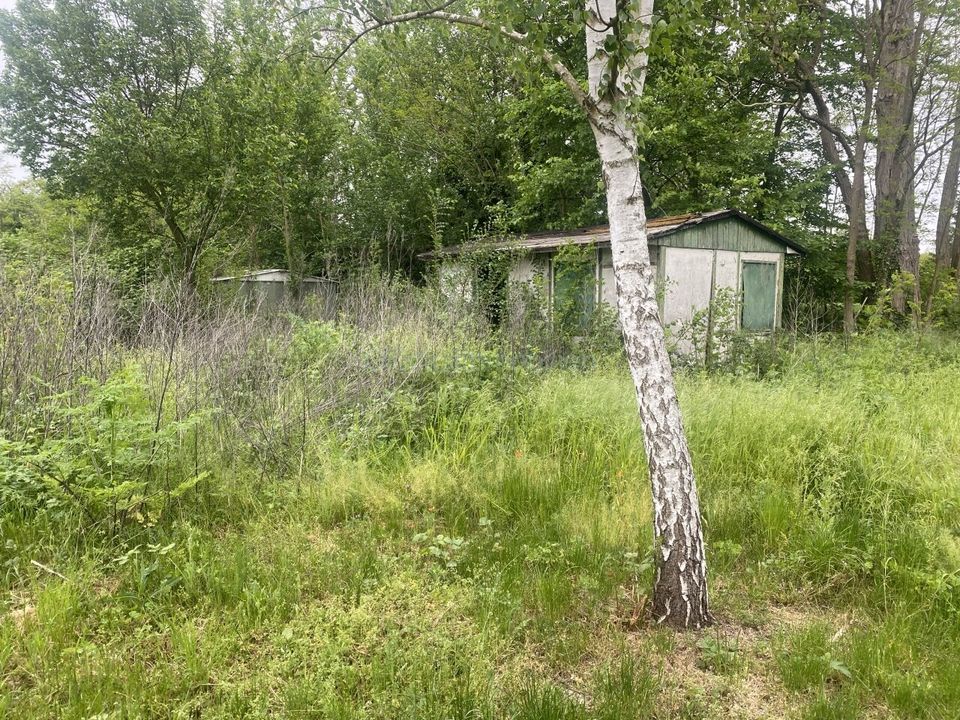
(617, 40)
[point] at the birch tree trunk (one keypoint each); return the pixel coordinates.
(680, 586)
(615, 77)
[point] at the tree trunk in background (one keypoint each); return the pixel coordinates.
(857, 232)
(955, 260)
(680, 586)
(895, 234)
(857, 252)
(945, 249)
(948, 194)
(853, 192)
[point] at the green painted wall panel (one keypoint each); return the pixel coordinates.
(728, 234)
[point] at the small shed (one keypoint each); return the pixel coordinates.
(272, 287)
(696, 256)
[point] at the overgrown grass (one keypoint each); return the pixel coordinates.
(469, 538)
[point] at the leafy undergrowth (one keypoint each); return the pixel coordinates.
(494, 563)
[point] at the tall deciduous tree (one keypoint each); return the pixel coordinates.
(895, 224)
(117, 98)
(948, 191)
(617, 39)
(830, 59)
(287, 129)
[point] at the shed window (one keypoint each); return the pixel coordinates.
(759, 296)
(574, 290)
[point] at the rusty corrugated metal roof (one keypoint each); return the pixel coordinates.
(600, 235)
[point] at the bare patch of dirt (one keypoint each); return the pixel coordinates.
(725, 671)
(21, 616)
(21, 611)
(744, 686)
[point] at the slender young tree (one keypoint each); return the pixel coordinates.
(617, 40)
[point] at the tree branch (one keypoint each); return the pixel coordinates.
(520, 39)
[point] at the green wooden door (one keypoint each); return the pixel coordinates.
(759, 296)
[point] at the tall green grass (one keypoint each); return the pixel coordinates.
(473, 541)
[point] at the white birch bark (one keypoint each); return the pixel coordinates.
(680, 587)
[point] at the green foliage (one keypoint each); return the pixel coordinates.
(574, 288)
(177, 129)
(121, 103)
(288, 128)
(228, 145)
(719, 654)
(37, 228)
(807, 661)
(109, 457)
(473, 540)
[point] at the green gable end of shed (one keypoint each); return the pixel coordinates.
(729, 233)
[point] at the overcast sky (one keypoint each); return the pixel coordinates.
(10, 167)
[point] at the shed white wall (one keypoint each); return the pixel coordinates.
(528, 282)
(456, 281)
(690, 277)
(608, 281)
(527, 269)
(689, 273)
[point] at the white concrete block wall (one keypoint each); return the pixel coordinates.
(608, 282)
(728, 270)
(522, 270)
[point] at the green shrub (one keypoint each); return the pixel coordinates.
(111, 456)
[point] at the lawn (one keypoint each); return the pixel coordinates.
(470, 538)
